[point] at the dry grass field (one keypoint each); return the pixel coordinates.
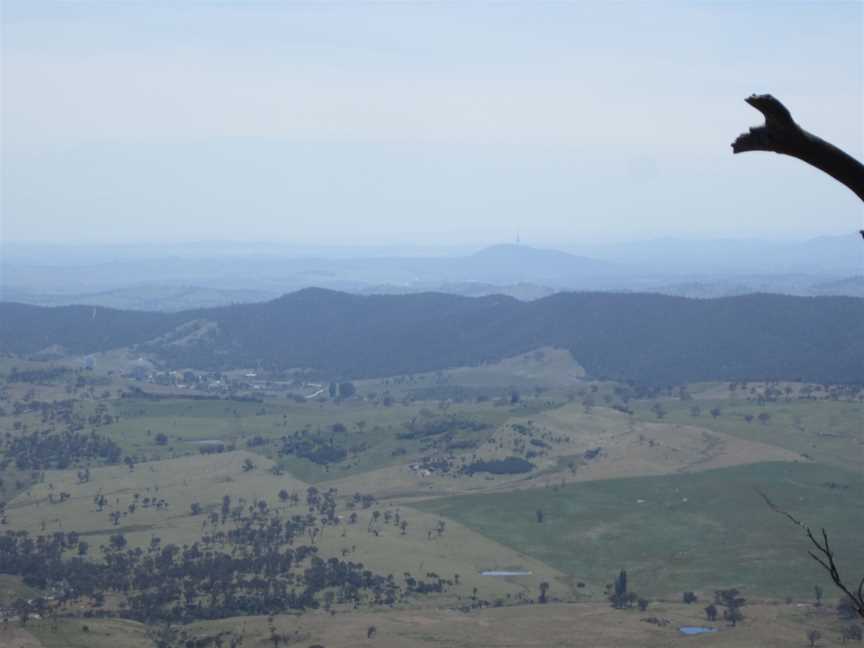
(627, 447)
(535, 626)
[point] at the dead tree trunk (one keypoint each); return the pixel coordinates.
(780, 134)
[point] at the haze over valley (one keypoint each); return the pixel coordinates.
(176, 277)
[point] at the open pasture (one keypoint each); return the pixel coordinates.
(567, 444)
(699, 531)
(178, 482)
(365, 430)
(458, 550)
(627, 447)
(823, 430)
(380, 543)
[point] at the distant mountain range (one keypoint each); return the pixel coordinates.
(827, 266)
(643, 337)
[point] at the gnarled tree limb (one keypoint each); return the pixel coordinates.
(782, 135)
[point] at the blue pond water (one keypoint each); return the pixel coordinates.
(695, 630)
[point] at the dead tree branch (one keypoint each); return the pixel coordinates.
(824, 555)
(780, 134)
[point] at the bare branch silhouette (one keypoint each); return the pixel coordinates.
(780, 134)
(824, 555)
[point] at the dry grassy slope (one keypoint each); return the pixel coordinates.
(459, 550)
(546, 367)
(629, 449)
(198, 478)
(535, 626)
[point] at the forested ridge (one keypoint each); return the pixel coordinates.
(626, 336)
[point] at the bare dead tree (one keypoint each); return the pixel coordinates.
(823, 554)
(780, 134)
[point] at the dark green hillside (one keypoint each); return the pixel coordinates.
(643, 337)
(374, 335)
(28, 329)
(661, 339)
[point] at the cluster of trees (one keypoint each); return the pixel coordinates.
(38, 375)
(341, 390)
(136, 393)
(167, 635)
(60, 441)
(508, 466)
(447, 426)
(46, 449)
(61, 412)
(622, 598)
(313, 446)
(249, 560)
(732, 602)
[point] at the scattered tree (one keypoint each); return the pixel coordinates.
(544, 588)
(711, 612)
(621, 597)
(733, 603)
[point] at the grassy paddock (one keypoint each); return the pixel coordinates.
(697, 531)
(828, 431)
(368, 426)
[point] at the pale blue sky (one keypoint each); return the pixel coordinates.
(429, 122)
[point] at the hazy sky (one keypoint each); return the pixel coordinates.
(432, 122)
